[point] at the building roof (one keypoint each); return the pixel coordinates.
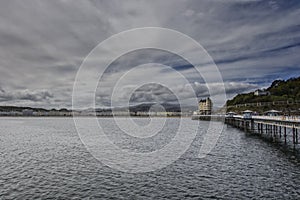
(204, 100)
(273, 111)
(233, 113)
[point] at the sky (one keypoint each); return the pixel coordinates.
(43, 44)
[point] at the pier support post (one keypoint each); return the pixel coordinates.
(260, 129)
(284, 135)
(296, 135)
(294, 141)
(252, 126)
(280, 131)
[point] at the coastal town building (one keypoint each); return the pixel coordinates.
(205, 106)
(260, 92)
(27, 112)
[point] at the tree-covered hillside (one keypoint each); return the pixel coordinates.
(283, 94)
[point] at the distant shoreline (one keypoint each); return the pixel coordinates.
(95, 116)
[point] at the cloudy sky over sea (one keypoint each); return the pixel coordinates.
(43, 43)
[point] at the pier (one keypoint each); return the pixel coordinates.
(275, 127)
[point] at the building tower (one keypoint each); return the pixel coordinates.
(205, 106)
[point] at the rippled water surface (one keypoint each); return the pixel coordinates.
(44, 158)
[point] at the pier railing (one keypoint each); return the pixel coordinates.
(279, 118)
(256, 117)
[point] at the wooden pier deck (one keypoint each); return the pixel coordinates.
(276, 127)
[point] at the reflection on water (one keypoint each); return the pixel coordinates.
(44, 157)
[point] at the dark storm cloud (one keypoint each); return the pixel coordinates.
(160, 94)
(154, 93)
(150, 55)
